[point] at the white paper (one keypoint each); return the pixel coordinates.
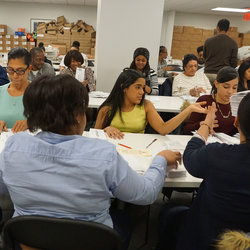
(80, 74)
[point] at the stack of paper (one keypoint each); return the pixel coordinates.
(98, 94)
(176, 173)
(180, 171)
(227, 138)
(235, 101)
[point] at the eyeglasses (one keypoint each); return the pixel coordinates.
(19, 72)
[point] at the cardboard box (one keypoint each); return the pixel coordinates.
(61, 20)
(207, 33)
(61, 47)
(8, 48)
(178, 29)
(51, 32)
(92, 51)
(233, 29)
(192, 30)
(3, 29)
(31, 45)
(22, 39)
(15, 44)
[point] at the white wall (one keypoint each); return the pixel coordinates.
(121, 31)
(167, 29)
(210, 21)
(18, 15)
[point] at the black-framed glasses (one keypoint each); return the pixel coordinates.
(19, 72)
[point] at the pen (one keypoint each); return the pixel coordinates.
(124, 145)
(151, 142)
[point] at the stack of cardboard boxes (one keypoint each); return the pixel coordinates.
(186, 39)
(8, 42)
(245, 39)
(62, 35)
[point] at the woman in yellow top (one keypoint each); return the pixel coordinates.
(125, 110)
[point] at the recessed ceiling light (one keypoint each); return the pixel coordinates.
(232, 9)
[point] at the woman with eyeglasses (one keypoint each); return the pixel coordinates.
(11, 95)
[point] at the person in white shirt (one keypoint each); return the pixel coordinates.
(191, 82)
(75, 46)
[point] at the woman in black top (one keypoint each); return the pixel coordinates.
(244, 76)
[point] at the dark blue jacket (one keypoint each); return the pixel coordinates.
(3, 76)
(223, 199)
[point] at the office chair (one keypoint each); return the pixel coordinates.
(59, 234)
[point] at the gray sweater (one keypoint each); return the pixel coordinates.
(47, 69)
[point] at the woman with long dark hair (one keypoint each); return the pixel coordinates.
(126, 110)
(224, 87)
(244, 76)
(141, 63)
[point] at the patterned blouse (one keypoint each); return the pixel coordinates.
(89, 76)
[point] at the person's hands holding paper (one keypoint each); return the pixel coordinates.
(171, 157)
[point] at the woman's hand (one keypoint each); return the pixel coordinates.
(147, 89)
(168, 68)
(3, 126)
(210, 118)
(85, 82)
(20, 126)
(171, 157)
(196, 91)
(113, 132)
(197, 107)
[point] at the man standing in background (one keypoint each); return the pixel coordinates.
(219, 51)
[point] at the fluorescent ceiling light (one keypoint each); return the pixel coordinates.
(232, 9)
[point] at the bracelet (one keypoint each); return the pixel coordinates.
(203, 123)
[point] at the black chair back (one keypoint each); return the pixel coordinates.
(59, 234)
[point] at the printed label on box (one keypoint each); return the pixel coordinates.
(1, 36)
(16, 43)
(1, 42)
(1, 30)
(15, 37)
(8, 48)
(32, 43)
(24, 43)
(8, 42)
(24, 37)
(40, 35)
(7, 36)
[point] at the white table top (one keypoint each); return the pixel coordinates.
(140, 141)
(161, 103)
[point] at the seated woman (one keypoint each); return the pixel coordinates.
(162, 69)
(223, 199)
(74, 60)
(190, 82)
(11, 95)
(60, 173)
(224, 87)
(244, 76)
(141, 64)
(125, 110)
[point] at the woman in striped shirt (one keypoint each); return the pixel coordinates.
(141, 64)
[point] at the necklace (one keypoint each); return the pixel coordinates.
(224, 116)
